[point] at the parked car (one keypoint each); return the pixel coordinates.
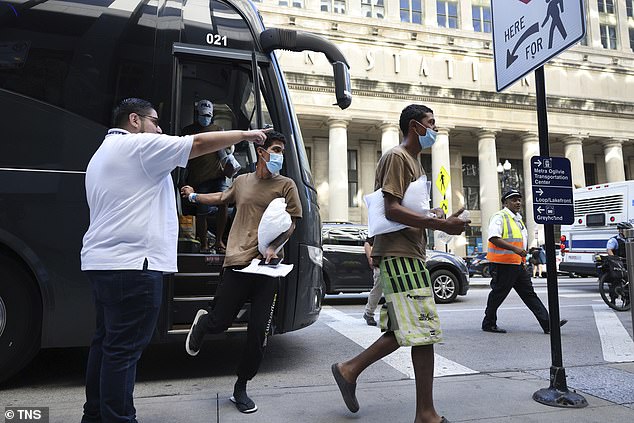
(346, 267)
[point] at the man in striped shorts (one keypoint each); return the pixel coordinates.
(408, 317)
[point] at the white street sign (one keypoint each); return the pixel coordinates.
(528, 33)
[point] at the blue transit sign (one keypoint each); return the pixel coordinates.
(551, 179)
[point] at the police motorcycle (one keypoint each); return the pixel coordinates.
(614, 285)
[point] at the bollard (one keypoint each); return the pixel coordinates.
(629, 254)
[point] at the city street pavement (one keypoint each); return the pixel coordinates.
(481, 377)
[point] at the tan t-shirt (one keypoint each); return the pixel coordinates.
(252, 195)
(395, 171)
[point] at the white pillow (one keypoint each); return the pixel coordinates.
(416, 198)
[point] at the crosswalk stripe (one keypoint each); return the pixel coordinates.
(359, 332)
(616, 343)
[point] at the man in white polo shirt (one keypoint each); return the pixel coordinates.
(131, 241)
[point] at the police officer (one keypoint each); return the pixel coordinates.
(507, 254)
(616, 244)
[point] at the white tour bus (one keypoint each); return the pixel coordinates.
(598, 209)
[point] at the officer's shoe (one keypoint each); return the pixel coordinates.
(196, 334)
(243, 403)
(494, 329)
(561, 323)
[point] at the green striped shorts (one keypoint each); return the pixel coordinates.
(409, 310)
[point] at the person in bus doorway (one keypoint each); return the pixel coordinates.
(616, 244)
(376, 292)
(130, 242)
(507, 254)
(409, 316)
(209, 173)
(251, 193)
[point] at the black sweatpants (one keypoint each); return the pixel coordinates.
(505, 277)
(235, 289)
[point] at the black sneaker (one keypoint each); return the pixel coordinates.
(195, 336)
(369, 319)
(243, 403)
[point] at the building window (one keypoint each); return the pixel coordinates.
(353, 179)
(606, 6)
(447, 13)
(373, 8)
(309, 156)
(336, 6)
(471, 183)
(474, 240)
(632, 38)
(629, 7)
(608, 36)
(481, 18)
(412, 11)
(295, 3)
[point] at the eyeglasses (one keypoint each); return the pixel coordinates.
(154, 120)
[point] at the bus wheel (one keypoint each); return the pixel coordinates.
(20, 318)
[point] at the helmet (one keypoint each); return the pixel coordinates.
(624, 225)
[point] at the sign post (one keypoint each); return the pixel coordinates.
(526, 34)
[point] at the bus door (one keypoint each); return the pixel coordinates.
(232, 81)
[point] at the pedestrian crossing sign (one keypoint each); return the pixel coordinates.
(442, 182)
(444, 205)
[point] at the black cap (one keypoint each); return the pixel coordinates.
(510, 194)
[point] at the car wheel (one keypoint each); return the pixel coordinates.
(445, 286)
(324, 287)
(20, 318)
(485, 272)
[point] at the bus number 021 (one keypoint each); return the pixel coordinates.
(217, 40)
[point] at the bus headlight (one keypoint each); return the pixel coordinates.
(316, 255)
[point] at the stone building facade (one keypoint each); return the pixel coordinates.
(440, 53)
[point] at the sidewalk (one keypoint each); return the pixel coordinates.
(496, 398)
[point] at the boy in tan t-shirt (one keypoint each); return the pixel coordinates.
(251, 193)
(409, 315)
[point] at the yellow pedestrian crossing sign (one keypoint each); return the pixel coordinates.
(444, 205)
(442, 182)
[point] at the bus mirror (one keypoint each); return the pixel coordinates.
(343, 91)
(286, 39)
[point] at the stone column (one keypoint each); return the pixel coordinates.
(622, 26)
(429, 13)
(390, 136)
(592, 24)
(337, 169)
(573, 150)
(530, 148)
(320, 173)
(465, 15)
(489, 183)
(614, 167)
(367, 167)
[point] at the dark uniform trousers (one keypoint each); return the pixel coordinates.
(505, 277)
(233, 292)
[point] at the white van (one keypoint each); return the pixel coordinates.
(598, 209)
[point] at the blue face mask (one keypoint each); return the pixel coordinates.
(428, 139)
(204, 120)
(274, 165)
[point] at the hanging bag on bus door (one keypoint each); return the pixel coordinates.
(275, 221)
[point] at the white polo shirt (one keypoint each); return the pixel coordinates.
(496, 226)
(132, 202)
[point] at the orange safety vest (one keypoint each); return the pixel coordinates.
(511, 233)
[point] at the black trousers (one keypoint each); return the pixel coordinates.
(505, 277)
(235, 289)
